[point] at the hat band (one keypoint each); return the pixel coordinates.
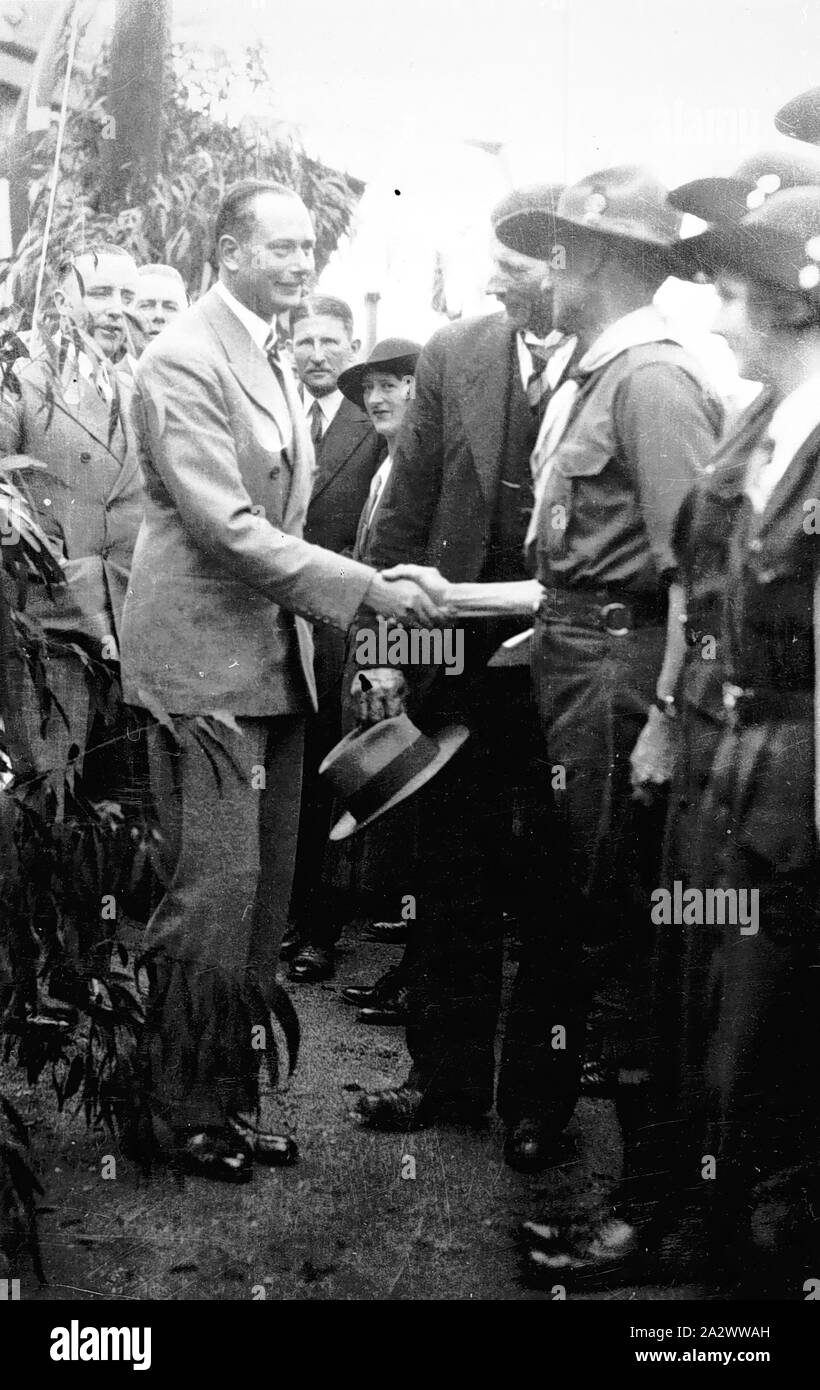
(390, 779)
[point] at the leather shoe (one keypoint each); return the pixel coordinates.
(406, 1108)
(310, 964)
(529, 1147)
(267, 1149)
(290, 944)
(387, 1012)
(601, 1254)
(219, 1155)
(390, 933)
(363, 996)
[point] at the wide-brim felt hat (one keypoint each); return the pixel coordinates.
(800, 117)
(777, 244)
(626, 206)
(757, 178)
(374, 769)
(395, 355)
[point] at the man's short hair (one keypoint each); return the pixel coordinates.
(235, 213)
(326, 306)
(98, 248)
(168, 272)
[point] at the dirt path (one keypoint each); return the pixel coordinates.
(346, 1223)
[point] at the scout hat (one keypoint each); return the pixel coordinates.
(800, 117)
(777, 244)
(395, 355)
(626, 206)
(373, 769)
(755, 180)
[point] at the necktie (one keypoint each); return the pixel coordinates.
(538, 384)
(757, 486)
(316, 423)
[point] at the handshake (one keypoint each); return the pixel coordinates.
(414, 594)
(420, 595)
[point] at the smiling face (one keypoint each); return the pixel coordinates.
(159, 298)
(268, 266)
(322, 350)
(386, 398)
(98, 294)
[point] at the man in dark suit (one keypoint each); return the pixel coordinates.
(348, 452)
(217, 645)
(459, 497)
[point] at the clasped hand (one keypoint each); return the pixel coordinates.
(413, 594)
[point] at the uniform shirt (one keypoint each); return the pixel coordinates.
(641, 428)
(791, 424)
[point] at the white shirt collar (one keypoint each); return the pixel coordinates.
(795, 418)
(328, 404)
(259, 330)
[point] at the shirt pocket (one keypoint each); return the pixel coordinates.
(575, 459)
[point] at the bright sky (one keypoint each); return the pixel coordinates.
(392, 91)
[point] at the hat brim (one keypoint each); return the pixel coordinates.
(449, 741)
(751, 253)
(536, 234)
(713, 200)
(351, 381)
(800, 117)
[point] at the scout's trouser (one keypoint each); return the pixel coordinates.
(594, 690)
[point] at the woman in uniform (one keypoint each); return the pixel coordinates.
(740, 924)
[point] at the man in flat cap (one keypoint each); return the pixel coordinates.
(459, 497)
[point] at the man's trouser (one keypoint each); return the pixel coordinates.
(594, 690)
(228, 810)
(472, 867)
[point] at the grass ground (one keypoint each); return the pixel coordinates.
(349, 1222)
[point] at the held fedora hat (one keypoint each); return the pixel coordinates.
(778, 244)
(800, 117)
(626, 206)
(371, 770)
(395, 355)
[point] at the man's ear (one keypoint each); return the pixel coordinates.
(228, 252)
(355, 346)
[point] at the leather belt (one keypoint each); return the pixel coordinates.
(762, 705)
(605, 609)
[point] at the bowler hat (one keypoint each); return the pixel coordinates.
(755, 180)
(800, 117)
(626, 206)
(777, 244)
(395, 355)
(373, 769)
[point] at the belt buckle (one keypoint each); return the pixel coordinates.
(605, 610)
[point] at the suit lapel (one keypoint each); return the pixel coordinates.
(345, 433)
(484, 391)
(254, 375)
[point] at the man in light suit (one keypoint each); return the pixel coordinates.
(348, 452)
(88, 496)
(217, 636)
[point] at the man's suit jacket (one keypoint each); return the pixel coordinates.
(439, 502)
(89, 497)
(220, 567)
(351, 452)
